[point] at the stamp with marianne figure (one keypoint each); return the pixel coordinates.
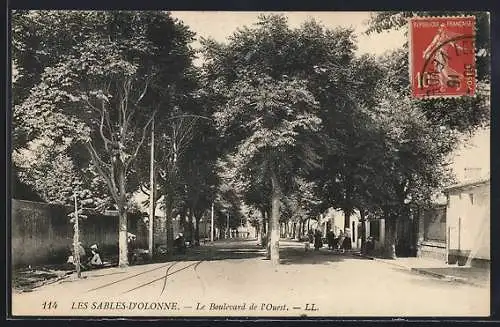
(442, 56)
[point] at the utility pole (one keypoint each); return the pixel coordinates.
(76, 240)
(212, 224)
(152, 190)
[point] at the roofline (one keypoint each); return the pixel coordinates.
(465, 185)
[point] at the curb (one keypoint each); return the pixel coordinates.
(449, 278)
(423, 271)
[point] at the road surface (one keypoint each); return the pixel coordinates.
(233, 278)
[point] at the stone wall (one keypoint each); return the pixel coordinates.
(41, 233)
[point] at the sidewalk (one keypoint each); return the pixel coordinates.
(468, 275)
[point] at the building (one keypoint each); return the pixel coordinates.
(468, 223)
(334, 219)
(439, 226)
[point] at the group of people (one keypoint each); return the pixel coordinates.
(341, 243)
(86, 261)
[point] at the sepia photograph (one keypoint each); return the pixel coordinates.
(249, 164)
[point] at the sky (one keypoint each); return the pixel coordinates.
(221, 24)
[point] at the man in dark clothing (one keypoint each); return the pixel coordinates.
(330, 236)
(317, 240)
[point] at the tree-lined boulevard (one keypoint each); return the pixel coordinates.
(275, 126)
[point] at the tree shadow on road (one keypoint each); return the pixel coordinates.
(292, 256)
(228, 250)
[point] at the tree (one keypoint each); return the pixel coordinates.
(277, 115)
(199, 172)
(115, 73)
(420, 161)
(413, 162)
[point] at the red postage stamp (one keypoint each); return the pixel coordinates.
(442, 56)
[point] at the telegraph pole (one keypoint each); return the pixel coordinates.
(212, 224)
(152, 190)
(76, 240)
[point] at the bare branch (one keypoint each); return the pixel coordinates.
(101, 130)
(123, 107)
(139, 145)
(91, 105)
(143, 91)
(108, 123)
(103, 169)
(113, 181)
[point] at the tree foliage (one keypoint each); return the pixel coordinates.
(104, 91)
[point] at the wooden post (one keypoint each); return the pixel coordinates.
(228, 230)
(448, 244)
(151, 191)
(76, 240)
(459, 231)
(212, 225)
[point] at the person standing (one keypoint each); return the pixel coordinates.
(340, 241)
(347, 244)
(317, 239)
(330, 236)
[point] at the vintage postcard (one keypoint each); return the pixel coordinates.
(250, 164)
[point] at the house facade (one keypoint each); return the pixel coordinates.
(468, 222)
(334, 219)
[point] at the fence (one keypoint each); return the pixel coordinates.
(42, 233)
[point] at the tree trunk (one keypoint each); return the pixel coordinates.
(168, 220)
(190, 226)
(197, 230)
(122, 212)
(182, 222)
(274, 221)
(363, 229)
(390, 237)
(263, 229)
(122, 239)
(151, 192)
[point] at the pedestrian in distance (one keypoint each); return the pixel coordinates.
(347, 244)
(317, 240)
(330, 236)
(340, 242)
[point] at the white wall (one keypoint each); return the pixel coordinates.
(337, 218)
(473, 153)
(473, 216)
